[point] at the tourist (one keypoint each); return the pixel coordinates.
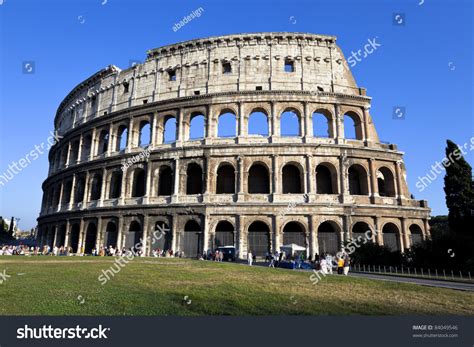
(340, 265)
(347, 263)
(250, 258)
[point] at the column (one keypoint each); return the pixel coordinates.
(111, 141)
(68, 235)
(81, 237)
(154, 130)
(379, 235)
(55, 237)
(206, 178)
(308, 125)
(344, 185)
(313, 239)
(274, 124)
(177, 175)
(145, 236)
(240, 175)
(85, 200)
(366, 124)
(93, 144)
(310, 176)
(123, 188)
(61, 190)
(79, 150)
(99, 237)
(277, 234)
(68, 155)
(339, 125)
(242, 129)
(404, 236)
(179, 128)
(120, 232)
(399, 179)
(73, 192)
(426, 233)
(131, 135)
(206, 233)
(373, 178)
(148, 182)
(276, 189)
(174, 233)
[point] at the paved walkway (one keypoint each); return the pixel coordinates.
(421, 281)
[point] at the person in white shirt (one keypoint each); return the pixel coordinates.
(250, 258)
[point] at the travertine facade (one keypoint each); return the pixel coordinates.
(256, 192)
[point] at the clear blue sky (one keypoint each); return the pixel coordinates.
(424, 66)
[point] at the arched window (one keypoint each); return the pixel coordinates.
(293, 232)
(162, 237)
(197, 127)
(194, 179)
(115, 185)
(96, 187)
(74, 237)
(192, 239)
(290, 124)
(391, 237)
(144, 134)
(165, 181)
(67, 192)
(103, 142)
(111, 234)
(358, 180)
(225, 180)
(139, 183)
(134, 236)
(86, 148)
(385, 182)
(169, 130)
(63, 159)
(321, 125)
(227, 125)
(79, 190)
(361, 233)
(416, 234)
(258, 124)
(291, 181)
(328, 238)
(74, 153)
(352, 126)
(224, 234)
(326, 179)
(91, 236)
(258, 239)
(61, 237)
(122, 138)
(258, 180)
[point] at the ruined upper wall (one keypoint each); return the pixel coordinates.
(257, 61)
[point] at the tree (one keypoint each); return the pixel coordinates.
(458, 189)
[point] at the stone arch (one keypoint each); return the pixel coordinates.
(111, 234)
(258, 181)
(61, 236)
(144, 133)
(225, 181)
(353, 125)
(74, 238)
(329, 239)
(391, 236)
(86, 147)
(258, 122)
(326, 178)
(165, 180)
(103, 142)
(290, 122)
(224, 234)
(91, 237)
(385, 182)
(67, 190)
(358, 180)
(227, 123)
(74, 157)
(192, 241)
(416, 234)
(362, 231)
(258, 238)
(162, 236)
(294, 232)
(122, 137)
(322, 120)
(138, 179)
(79, 189)
(170, 129)
(115, 186)
(292, 179)
(197, 126)
(194, 179)
(134, 235)
(96, 187)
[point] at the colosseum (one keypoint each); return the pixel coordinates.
(248, 140)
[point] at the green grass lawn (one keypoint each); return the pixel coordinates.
(151, 286)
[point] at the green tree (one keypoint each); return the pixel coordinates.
(458, 189)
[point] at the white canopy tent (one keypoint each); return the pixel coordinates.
(292, 248)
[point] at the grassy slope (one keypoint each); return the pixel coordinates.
(56, 286)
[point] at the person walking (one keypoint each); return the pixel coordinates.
(250, 258)
(347, 264)
(340, 265)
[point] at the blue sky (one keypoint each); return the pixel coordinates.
(424, 66)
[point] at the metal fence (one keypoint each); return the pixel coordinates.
(440, 274)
